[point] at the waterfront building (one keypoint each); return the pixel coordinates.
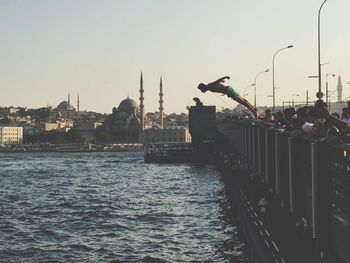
(31, 129)
(11, 135)
(152, 120)
(49, 126)
(167, 135)
(62, 125)
(5, 111)
(87, 124)
(86, 128)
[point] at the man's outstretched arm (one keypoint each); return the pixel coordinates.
(329, 117)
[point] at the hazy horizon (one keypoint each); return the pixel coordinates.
(99, 48)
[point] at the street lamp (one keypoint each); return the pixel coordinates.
(328, 74)
(319, 94)
(273, 76)
(316, 76)
(307, 97)
(293, 98)
(246, 89)
(266, 70)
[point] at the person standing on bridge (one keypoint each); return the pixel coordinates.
(219, 87)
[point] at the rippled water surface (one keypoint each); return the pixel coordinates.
(112, 207)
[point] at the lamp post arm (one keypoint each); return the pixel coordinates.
(246, 89)
(264, 71)
(273, 76)
(319, 95)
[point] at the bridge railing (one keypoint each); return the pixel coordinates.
(308, 184)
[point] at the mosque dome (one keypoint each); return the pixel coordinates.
(129, 106)
(122, 115)
(64, 106)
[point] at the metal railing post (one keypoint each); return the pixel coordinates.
(246, 142)
(267, 157)
(277, 165)
(291, 173)
(314, 189)
(249, 145)
(240, 140)
(243, 142)
(259, 152)
(253, 147)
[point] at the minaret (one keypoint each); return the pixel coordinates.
(78, 103)
(68, 104)
(142, 107)
(161, 102)
(339, 89)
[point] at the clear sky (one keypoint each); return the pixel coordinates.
(97, 48)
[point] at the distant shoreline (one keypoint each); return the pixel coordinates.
(73, 148)
(75, 151)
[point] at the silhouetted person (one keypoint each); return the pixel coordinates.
(268, 116)
(219, 87)
(279, 120)
(198, 102)
(343, 126)
(345, 116)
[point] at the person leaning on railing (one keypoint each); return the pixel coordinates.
(320, 111)
(342, 126)
(315, 122)
(308, 125)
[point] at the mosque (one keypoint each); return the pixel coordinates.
(127, 122)
(124, 124)
(65, 109)
(65, 106)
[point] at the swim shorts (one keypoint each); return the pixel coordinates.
(232, 93)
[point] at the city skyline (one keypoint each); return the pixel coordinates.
(98, 49)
